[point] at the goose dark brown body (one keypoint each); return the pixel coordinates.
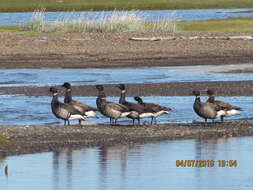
(225, 108)
(205, 110)
(137, 110)
(64, 111)
(155, 109)
(85, 109)
(110, 109)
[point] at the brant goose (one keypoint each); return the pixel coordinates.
(205, 110)
(64, 111)
(155, 109)
(137, 110)
(224, 107)
(85, 109)
(111, 109)
(100, 89)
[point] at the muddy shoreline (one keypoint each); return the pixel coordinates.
(230, 88)
(49, 50)
(33, 139)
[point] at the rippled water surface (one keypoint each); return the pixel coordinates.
(149, 166)
(45, 77)
(149, 15)
(24, 110)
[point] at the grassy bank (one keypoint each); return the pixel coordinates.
(70, 5)
(224, 25)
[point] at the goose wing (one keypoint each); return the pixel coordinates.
(118, 107)
(135, 107)
(156, 107)
(82, 107)
(220, 105)
(70, 109)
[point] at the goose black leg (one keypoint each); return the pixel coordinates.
(205, 120)
(139, 122)
(80, 121)
(152, 120)
(64, 122)
(221, 118)
(68, 122)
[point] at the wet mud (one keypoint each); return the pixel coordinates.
(31, 139)
(228, 88)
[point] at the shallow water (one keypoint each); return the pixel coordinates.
(148, 166)
(47, 77)
(25, 110)
(150, 15)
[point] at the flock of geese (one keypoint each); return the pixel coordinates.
(75, 110)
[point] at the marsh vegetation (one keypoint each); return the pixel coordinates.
(80, 5)
(116, 22)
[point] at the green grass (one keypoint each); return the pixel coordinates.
(15, 28)
(224, 25)
(77, 5)
(5, 142)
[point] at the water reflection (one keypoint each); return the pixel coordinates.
(147, 166)
(67, 162)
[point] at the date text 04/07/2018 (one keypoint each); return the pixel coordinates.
(206, 163)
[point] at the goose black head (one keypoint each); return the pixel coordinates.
(195, 93)
(210, 92)
(66, 85)
(53, 90)
(138, 99)
(121, 86)
(99, 87)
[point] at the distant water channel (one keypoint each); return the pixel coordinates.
(47, 77)
(149, 15)
(149, 166)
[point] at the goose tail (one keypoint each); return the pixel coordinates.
(77, 117)
(91, 114)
